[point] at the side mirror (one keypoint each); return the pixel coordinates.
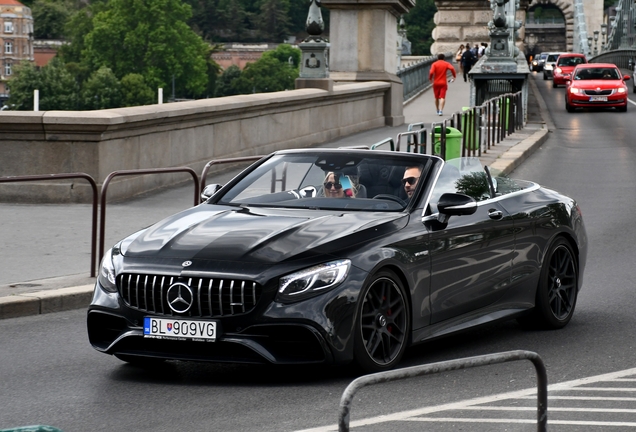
(626, 78)
(210, 190)
(455, 204)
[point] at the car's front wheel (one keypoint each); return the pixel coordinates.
(569, 108)
(557, 290)
(382, 323)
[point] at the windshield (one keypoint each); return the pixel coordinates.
(369, 180)
(597, 74)
(469, 177)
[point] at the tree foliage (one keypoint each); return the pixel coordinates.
(420, 25)
(49, 17)
(152, 38)
(56, 86)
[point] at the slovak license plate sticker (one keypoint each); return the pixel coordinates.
(598, 98)
(179, 329)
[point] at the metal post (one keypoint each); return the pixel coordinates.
(36, 100)
(160, 96)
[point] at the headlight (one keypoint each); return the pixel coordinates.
(106, 275)
(574, 90)
(312, 281)
(558, 70)
(621, 90)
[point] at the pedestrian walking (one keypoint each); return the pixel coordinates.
(438, 73)
(458, 57)
(468, 60)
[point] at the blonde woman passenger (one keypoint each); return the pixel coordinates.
(336, 186)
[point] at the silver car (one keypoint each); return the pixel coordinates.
(548, 66)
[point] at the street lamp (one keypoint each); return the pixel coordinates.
(604, 33)
(589, 46)
(596, 32)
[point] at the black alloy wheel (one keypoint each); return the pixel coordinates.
(557, 290)
(382, 324)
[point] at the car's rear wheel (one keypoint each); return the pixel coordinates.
(382, 323)
(557, 290)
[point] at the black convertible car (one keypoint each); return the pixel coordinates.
(334, 256)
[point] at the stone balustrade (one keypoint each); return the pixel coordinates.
(171, 135)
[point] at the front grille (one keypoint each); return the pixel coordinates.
(598, 92)
(211, 297)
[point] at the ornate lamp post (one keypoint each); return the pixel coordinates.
(313, 63)
(596, 42)
(589, 46)
(604, 33)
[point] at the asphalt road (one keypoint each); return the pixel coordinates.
(50, 375)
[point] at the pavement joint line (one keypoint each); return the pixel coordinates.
(520, 145)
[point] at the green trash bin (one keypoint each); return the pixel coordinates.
(453, 142)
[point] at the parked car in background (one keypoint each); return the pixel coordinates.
(548, 66)
(283, 266)
(565, 64)
(537, 63)
(600, 85)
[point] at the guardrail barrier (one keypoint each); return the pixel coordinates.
(451, 365)
(91, 180)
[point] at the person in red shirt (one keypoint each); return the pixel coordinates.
(438, 76)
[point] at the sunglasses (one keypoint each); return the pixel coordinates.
(409, 180)
(328, 185)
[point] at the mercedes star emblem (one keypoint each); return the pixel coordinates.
(180, 297)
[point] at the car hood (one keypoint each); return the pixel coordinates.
(600, 84)
(211, 232)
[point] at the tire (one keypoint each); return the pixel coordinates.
(557, 290)
(569, 108)
(382, 325)
(545, 77)
(622, 109)
(554, 85)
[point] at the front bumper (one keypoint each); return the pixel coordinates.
(315, 330)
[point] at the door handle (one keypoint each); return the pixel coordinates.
(495, 214)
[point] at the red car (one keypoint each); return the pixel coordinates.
(596, 85)
(564, 66)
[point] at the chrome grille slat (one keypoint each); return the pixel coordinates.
(212, 297)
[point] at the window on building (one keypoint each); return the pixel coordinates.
(8, 27)
(8, 48)
(7, 68)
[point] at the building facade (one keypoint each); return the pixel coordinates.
(16, 40)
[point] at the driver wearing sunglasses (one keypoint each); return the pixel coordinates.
(410, 179)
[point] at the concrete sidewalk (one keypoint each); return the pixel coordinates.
(32, 261)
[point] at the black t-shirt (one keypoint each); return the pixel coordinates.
(468, 58)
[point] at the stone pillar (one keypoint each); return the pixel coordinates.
(461, 21)
(364, 46)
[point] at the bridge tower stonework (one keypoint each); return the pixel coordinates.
(461, 21)
(364, 46)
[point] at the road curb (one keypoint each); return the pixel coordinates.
(513, 157)
(41, 302)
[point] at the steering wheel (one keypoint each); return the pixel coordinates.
(391, 198)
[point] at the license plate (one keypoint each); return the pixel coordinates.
(179, 329)
(598, 98)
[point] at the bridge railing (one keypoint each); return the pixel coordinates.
(622, 34)
(415, 77)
